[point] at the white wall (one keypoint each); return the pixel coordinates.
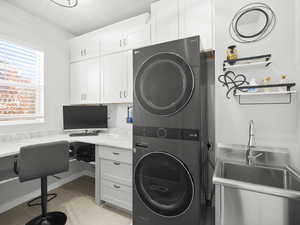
(117, 114)
(274, 124)
(18, 26)
(25, 29)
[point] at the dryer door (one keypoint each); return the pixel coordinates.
(164, 184)
(164, 84)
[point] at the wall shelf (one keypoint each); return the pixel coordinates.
(284, 96)
(263, 60)
(264, 93)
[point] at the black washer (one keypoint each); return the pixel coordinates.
(164, 84)
(164, 184)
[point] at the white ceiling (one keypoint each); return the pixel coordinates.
(87, 16)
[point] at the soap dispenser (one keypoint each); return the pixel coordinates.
(129, 114)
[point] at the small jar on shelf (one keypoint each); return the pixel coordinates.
(266, 81)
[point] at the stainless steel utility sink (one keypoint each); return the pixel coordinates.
(252, 174)
(256, 195)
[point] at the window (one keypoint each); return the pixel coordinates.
(21, 84)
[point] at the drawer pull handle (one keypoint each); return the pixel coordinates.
(141, 145)
(116, 186)
(116, 153)
(117, 163)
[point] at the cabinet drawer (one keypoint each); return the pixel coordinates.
(116, 171)
(115, 154)
(116, 194)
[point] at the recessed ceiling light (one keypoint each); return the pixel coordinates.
(66, 3)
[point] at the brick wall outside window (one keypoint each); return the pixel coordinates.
(21, 83)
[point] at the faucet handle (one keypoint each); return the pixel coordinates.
(254, 157)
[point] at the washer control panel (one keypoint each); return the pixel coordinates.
(168, 133)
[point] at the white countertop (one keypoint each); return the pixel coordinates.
(105, 139)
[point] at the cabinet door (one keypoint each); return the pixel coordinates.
(196, 19)
(128, 86)
(91, 71)
(111, 42)
(84, 48)
(91, 48)
(164, 21)
(138, 37)
(85, 82)
(77, 84)
(76, 52)
(113, 77)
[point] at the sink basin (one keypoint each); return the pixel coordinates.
(272, 177)
(284, 182)
(256, 195)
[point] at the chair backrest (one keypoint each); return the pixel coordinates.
(42, 160)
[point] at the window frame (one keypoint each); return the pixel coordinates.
(40, 87)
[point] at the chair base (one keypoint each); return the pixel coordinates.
(52, 218)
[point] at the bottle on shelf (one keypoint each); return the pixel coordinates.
(252, 83)
(232, 53)
(283, 80)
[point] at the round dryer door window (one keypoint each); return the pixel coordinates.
(164, 184)
(164, 84)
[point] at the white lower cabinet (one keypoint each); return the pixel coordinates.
(114, 170)
(117, 194)
(115, 176)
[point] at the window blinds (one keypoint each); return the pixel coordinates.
(21, 83)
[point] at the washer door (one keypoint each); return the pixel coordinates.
(164, 184)
(164, 84)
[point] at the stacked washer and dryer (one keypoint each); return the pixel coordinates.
(169, 133)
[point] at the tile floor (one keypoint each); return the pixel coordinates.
(76, 199)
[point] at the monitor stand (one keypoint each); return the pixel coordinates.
(86, 133)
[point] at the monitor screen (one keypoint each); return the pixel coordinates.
(85, 117)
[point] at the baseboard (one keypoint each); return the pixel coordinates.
(9, 205)
(88, 173)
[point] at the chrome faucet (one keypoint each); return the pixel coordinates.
(250, 157)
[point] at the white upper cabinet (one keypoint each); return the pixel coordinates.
(164, 21)
(85, 81)
(177, 19)
(111, 42)
(138, 37)
(101, 61)
(128, 34)
(196, 19)
(116, 77)
(84, 48)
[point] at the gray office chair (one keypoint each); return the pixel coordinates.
(41, 161)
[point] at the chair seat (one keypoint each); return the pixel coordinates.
(52, 218)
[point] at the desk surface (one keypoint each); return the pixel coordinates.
(106, 139)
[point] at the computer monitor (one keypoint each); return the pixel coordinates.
(84, 117)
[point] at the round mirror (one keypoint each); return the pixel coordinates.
(252, 23)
